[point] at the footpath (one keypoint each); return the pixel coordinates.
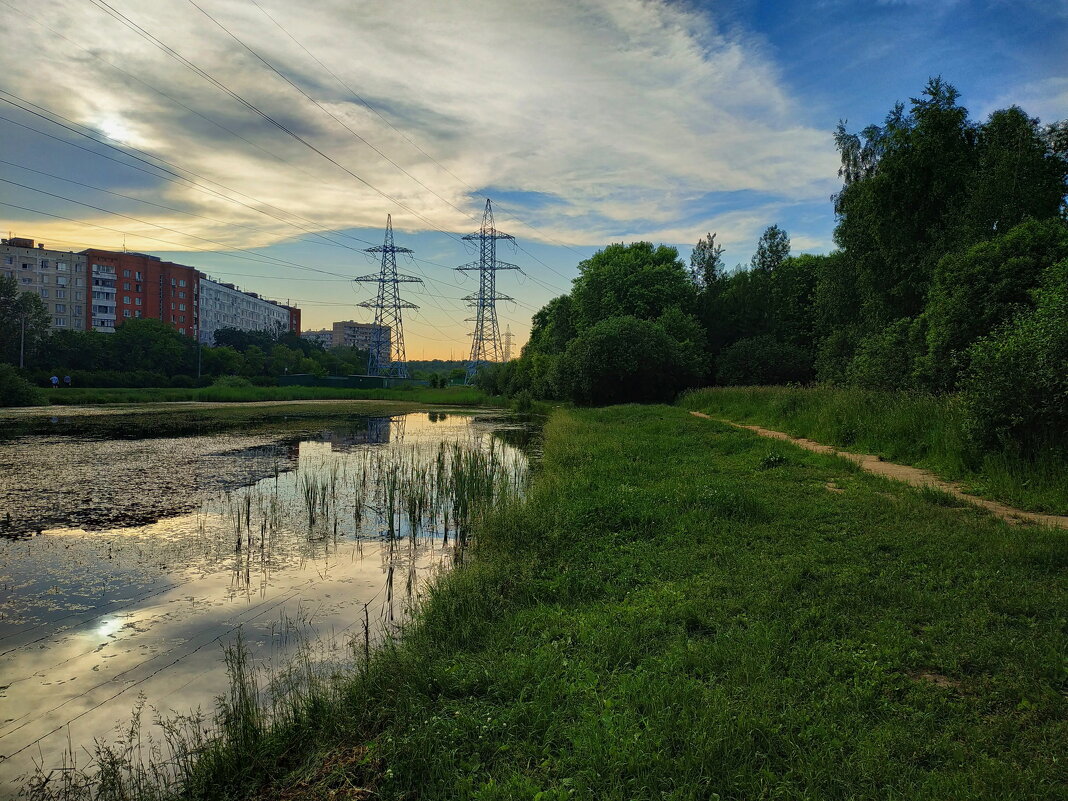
(900, 472)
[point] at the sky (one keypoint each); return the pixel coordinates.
(266, 141)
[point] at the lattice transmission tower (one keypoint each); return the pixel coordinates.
(508, 343)
(386, 356)
(486, 338)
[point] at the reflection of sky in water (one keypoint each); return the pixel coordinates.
(91, 616)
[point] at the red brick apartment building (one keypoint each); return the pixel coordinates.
(144, 286)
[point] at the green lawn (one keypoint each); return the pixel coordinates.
(915, 429)
(682, 610)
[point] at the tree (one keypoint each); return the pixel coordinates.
(706, 262)
(763, 360)
(627, 360)
(150, 345)
(635, 280)
(1016, 388)
(772, 250)
(978, 288)
(24, 323)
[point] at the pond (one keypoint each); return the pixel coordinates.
(135, 548)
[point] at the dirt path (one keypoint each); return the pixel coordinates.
(910, 475)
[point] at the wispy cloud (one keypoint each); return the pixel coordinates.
(624, 112)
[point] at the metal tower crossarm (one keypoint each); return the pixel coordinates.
(486, 338)
(386, 356)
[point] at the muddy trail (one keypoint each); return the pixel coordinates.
(915, 476)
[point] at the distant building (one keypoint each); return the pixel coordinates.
(58, 277)
(357, 335)
(131, 285)
(97, 290)
(324, 337)
(224, 305)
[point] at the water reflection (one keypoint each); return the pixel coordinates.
(313, 532)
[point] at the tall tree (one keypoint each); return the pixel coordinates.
(706, 262)
(772, 249)
(24, 323)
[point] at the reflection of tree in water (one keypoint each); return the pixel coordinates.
(366, 431)
(437, 417)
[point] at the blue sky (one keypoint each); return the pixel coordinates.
(587, 122)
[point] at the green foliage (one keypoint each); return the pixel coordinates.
(888, 360)
(1016, 389)
(977, 289)
(914, 428)
(635, 280)
(706, 262)
(16, 390)
(231, 381)
(627, 360)
(763, 360)
(773, 249)
(24, 323)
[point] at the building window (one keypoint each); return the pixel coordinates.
(137, 313)
(125, 298)
(78, 269)
(138, 276)
(181, 294)
(61, 321)
(181, 330)
(78, 310)
(181, 319)
(125, 273)
(181, 307)
(44, 293)
(126, 285)
(61, 280)
(137, 301)
(27, 266)
(125, 312)
(181, 282)
(61, 308)
(79, 295)
(27, 280)
(137, 288)
(61, 293)
(172, 307)
(174, 282)
(79, 282)
(45, 264)
(61, 266)
(9, 260)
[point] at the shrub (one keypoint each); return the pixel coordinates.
(16, 390)
(231, 381)
(1016, 389)
(627, 360)
(888, 359)
(763, 360)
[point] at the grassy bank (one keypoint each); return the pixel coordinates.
(681, 610)
(920, 430)
(461, 396)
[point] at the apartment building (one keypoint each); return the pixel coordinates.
(131, 285)
(59, 277)
(324, 337)
(97, 290)
(224, 305)
(357, 335)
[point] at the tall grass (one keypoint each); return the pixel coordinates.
(460, 396)
(911, 428)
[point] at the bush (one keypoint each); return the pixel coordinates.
(763, 360)
(627, 360)
(1016, 389)
(17, 391)
(888, 359)
(231, 381)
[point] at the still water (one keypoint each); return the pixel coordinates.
(128, 562)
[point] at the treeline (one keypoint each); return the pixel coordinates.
(950, 276)
(149, 353)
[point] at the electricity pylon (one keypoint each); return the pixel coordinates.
(508, 343)
(386, 357)
(486, 339)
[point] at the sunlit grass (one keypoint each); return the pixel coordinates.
(910, 428)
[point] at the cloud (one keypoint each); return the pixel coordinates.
(624, 112)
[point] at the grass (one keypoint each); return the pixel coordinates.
(915, 429)
(670, 614)
(461, 396)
